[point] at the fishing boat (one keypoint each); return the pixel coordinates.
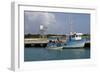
(74, 39)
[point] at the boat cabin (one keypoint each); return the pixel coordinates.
(76, 36)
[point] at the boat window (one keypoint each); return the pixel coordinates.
(73, 36)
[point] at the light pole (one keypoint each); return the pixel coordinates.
(43, 29)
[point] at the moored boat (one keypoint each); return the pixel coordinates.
(55, 44)
(75, 39)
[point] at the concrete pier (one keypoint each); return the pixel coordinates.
(36, 42)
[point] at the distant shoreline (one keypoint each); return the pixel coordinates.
(51, 35)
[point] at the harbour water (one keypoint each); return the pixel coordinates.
(43, 54)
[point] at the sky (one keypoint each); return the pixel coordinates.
(56, 22)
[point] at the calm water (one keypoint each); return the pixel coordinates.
(42, 54)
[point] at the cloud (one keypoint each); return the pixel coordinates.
(56, 22)
(33, 20)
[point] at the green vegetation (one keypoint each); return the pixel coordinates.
(32, 36)
(87, 36)
(40, 36)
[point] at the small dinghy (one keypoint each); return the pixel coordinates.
(54, 45)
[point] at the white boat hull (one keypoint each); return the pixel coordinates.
(74, 44)
(55, 48)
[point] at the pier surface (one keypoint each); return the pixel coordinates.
(35, 40)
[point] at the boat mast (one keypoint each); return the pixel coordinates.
(70, 25)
